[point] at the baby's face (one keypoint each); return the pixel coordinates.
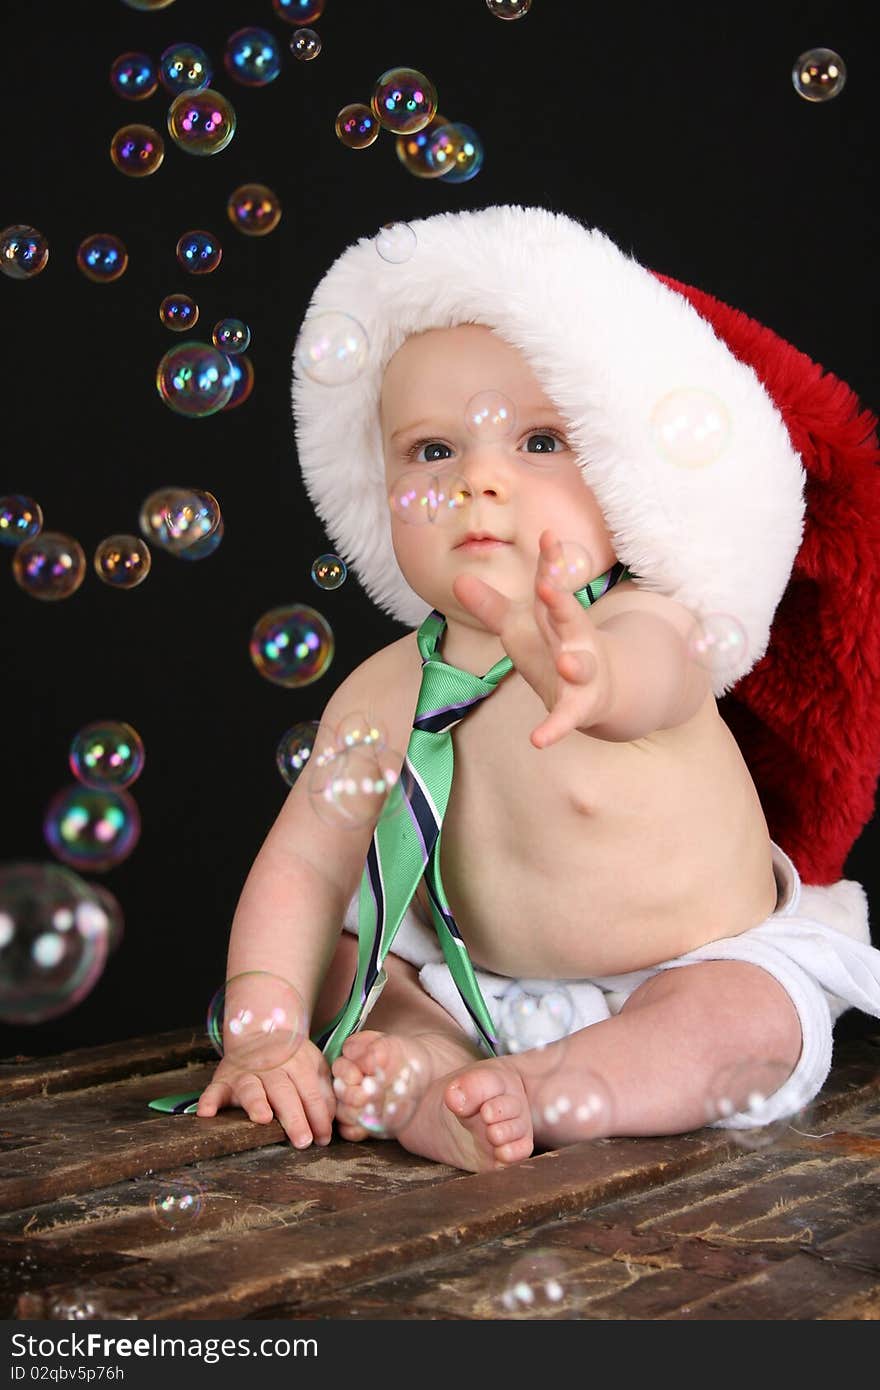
(515, 486)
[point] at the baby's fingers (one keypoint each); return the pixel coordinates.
(214, 1097)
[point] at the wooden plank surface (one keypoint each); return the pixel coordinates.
(690, 1227)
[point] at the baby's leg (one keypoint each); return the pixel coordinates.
(658, 1059)
(406, 1024)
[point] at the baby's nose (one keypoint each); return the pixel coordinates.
(485, 472)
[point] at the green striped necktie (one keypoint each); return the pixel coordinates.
(406, 845)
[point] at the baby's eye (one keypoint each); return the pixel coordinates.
(430, 451)
(540, 442)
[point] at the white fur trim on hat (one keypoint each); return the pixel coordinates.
(607, 341)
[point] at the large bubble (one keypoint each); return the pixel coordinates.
(92, 829)
(107, 753)
(201, 123)
(404, 100)
(50, 566)
(292, 645)
(137, 150)
(195, 379)
(102, 257)
(21, 518)
(253, 57)
(24, 252)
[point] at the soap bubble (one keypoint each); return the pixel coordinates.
(53, 941)
(107, 753)
(395, 1091)
(819, 74)
(538, 1284)
(508, 9)
(419, 498)
(570, 568)
(257, 1020)
(531, 1015)
(299, 11)
(50, 566)
(690, 427)
(198, 252)
(199, 550)
(133, 76)
(356, 126)
(747, 1088)
(122, 561)
(252, 56)
(137, 150)
(178, 518)
(329, 572)
(254, 209)
(21, 518)
(466, 155)
(231, 336)
(412, 150)
(194, 379)
(489, 416)
(404, 100)
(242, 379)
(24, 252)
(570, 1104)
(178, 1205)
(292, 645)
(201, 123)
(102, 257)
(184, 67)
(354, 787)
(332, 348)
(358, 728)
(178, 312)
(718, 643)
(148, 4)
(396, 242)
(91, 829)
(294, 749)
(305, 45)
(445, 148)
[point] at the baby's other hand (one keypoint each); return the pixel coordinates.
(299, 1093)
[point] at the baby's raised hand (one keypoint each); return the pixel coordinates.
(552, 643)
(299, 1092)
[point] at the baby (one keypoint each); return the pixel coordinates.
(602, 828)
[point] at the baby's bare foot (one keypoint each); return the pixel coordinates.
(380, 1079)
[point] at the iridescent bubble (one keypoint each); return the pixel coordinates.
(489, 416)
(538, 1284)
(231, 336)
(444, 148)
(718, 643)
(254, 209)
(133, 76)
(292, 645)
(396, 242)
(395, 1091)
(569, 568)
(819, 74)
(404, 100)
(148, 4)
(194, 379)
(21, 518)
(200, 550)
(358, 728)
(122, 561)
(419, 498)
(252, 57)
(184, 67)
(305, 45)
(102, 257)
(92, 829)
(508, 9)
(53, 941)
(198, 252)
(531, 1016)
(412, 150)
(299, 11)
(257, 1019)
(329, 572)
(359, 784)
(24, 252)
(50, 566)
(137, 150)
(356, 126)
(468, 155)
(201, 123)
(242, 380)
(690, 427)
(295, 748)
(570, 1105)
(177, 1206)
(107, 753)
(177, 518)
(178, 312)
(332, 348)
(747, 1089)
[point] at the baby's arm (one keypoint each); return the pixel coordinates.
(287, 923)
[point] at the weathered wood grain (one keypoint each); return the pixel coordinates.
(88, 1066)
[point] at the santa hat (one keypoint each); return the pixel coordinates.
(781, 531)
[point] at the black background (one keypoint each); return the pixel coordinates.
(675, 128)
